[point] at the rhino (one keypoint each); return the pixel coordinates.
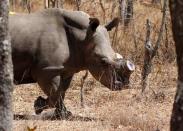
(50, 46)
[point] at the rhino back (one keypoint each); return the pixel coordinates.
(37, 35)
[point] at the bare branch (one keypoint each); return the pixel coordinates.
(103, 9)
(163, 22)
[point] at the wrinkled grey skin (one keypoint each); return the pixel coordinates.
(50, 46)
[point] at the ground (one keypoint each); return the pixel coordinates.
(105, 110)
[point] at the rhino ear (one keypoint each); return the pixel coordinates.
(112, 24)
(93, 24)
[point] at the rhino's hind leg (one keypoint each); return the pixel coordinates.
(55, 90)
(60, 112)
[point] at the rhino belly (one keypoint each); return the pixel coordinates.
(22, 69)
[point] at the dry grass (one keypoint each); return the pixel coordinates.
(125, 110)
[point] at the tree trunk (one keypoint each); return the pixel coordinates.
(176, 10)
(6, 74)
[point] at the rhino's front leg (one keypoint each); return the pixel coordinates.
(55, 91)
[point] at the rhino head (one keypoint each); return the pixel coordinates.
(106, 66)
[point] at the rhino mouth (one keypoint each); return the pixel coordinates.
(120, 76)
(119, 83)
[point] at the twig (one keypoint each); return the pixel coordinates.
(113, 8)
(134, 36)
(166, 36)
(162, 28)
(103, 9)
(115, 36)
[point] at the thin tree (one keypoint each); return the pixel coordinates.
(13, 4)
(129, 12)
(6, 77)
(51, 4)
(151, 51)
(126, 11)
(122, 8)
(26, 4)
(155, 1)
(61, 4)
(176, 10)
(78, 4)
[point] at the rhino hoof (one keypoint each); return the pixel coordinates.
(39, 104)
(38, 111)
(60, 114)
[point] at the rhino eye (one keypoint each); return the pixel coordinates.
(104, 62)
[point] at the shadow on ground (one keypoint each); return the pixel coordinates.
(50, 116)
